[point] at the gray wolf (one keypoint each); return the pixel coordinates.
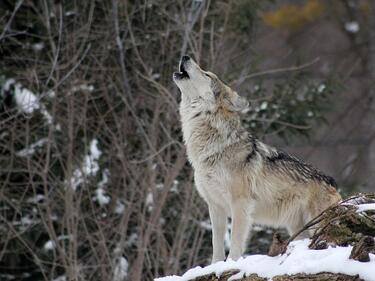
(236, 174)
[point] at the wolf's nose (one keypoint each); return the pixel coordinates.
(184, 59)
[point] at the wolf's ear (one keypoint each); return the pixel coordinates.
(239, 103)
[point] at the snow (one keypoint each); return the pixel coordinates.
(83, 87)
(36, 199)
(25, 99)
(70, 13)
(121, 269)
(264, 105)
(50, 244)
(27, 102)
(366, 207)
(321, 88)
(76, 179)
(149, 201)
(31, 149)
(46, 115)
(206, 225)
(174, 187)
(155, 76)
(105, 178)
(358, 201)
(120, 207)
(352, 26)
(89, 166)
(50, 94)
(7, 276)
(131, 240)
(8, 83)
(25, 222)
(101, 197)
(297, 259)
(38, 46)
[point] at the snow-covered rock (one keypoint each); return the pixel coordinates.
(297, 259)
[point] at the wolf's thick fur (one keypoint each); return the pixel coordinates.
(236, 174)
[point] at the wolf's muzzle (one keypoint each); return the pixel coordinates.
(183, 61)
(182, 68)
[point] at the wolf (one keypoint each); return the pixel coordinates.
(237, 175)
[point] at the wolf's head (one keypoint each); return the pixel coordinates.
(204, 87)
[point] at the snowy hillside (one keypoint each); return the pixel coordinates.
(297, 259)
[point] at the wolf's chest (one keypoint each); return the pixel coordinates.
(214, 185)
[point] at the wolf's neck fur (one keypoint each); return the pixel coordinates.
(209, 132)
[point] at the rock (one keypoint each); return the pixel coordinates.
(320, 245)
(323, 276)
(226, 275)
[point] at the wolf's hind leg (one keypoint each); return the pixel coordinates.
(219, 224)
(241, 223)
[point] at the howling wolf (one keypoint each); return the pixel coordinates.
(235, 173)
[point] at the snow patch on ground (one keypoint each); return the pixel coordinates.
(298, 258)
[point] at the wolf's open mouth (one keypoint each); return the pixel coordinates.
(183, 73)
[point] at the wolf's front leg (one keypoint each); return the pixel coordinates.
(241, 222)
(219, 220)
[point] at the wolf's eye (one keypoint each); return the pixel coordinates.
(207, 75)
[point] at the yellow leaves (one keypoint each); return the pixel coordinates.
(292, 17)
